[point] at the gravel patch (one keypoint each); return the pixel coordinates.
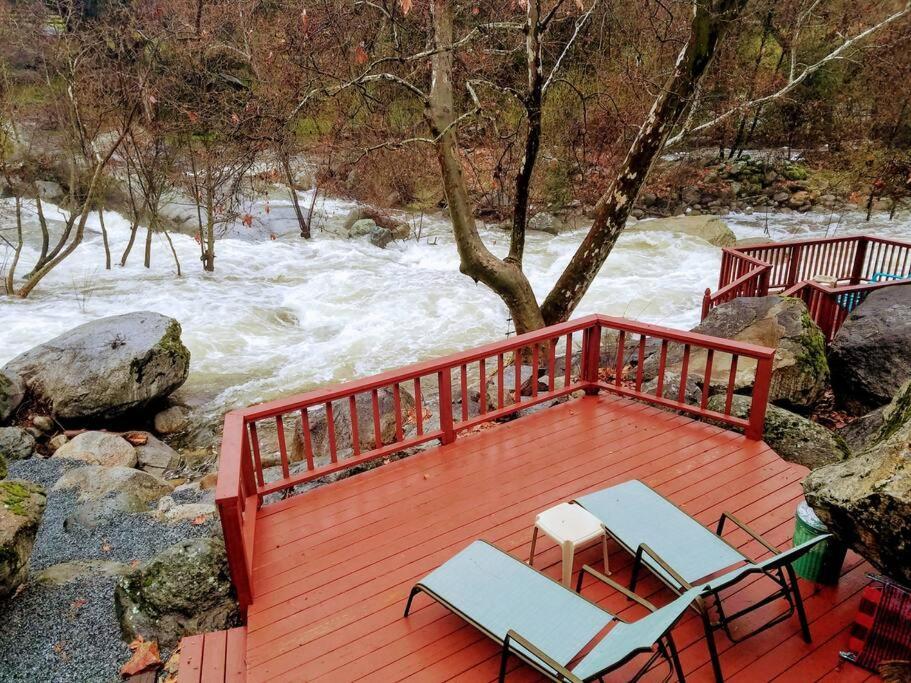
(62, 634)
(70, 633)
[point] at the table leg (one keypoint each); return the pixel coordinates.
(606, 562)
(569, 552)
(534, 540)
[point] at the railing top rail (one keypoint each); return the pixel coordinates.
(734, 251)
(783, 244)
(692, 338)
(841, 289)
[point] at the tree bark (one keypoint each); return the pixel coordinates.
(709, 23)
(503, 277)
(302, 221)
(104, 240)
(17, 251)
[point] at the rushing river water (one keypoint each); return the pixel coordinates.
(280, 314)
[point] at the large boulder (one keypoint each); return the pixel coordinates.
(95, 482)
(10, 395)
(106, 368)
(99, 448)
(21, 506)
(710, 228)
(16, 443)
(341, 417)
(794, 437)
(866, 500)
(870, 356)
(185, 589)
(800, 373)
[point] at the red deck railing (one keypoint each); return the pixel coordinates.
(852, 262)
(341, 427)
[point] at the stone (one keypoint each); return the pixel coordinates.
(380, 237)
(55, 443)
(509, 382)
(155, 456)
(800, 373)
(798, 199)
(66, 572)
(870, 356)
(99, 448)
(859, 433)
(671, 388)
(16, 443)
(94, 482)
(172, 420)
(106, 368)
(44, 423)
(4, 470)
(781, 197)
(549, 223)
(647, 198)
(183, 590)
(21, 505)
(362, 227)
(188, 512)
(710, 228)
(49, 190)
(792, 436)
(827, 200)
(866, 500)
(11, 394)
(341, 416)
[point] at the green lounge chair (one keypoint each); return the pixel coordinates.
(684, 554)
(544, 623)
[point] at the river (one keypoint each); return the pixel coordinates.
(281, 315)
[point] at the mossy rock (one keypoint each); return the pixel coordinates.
(21, 506)
(792, 436)
(3, 468)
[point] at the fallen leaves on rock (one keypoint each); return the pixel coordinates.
(199, 519)
(145, 657)
(136, 438)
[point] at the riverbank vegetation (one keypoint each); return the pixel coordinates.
(496, 112)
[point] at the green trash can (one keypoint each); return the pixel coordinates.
(823, 563)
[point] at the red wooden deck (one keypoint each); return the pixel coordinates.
(331, 568)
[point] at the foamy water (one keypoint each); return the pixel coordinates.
(280, 314)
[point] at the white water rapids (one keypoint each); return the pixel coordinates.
(280, 314)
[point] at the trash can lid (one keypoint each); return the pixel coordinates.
(808, 517)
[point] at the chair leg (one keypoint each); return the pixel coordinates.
(675, 659)
(504, 658)
(414, 591)
(713, 648)
(634, 577)
(534, 542)
(569, 552)
(798, 603)
(606, 559)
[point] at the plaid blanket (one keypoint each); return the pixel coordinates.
(882, 628)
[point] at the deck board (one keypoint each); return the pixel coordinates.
(333, 566)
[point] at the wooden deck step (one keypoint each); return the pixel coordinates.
(218, 657)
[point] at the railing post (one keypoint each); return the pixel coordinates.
(591, 357)
(860, 256)
(444, 379)
(764, 280)
(706, 303)
(793, 266)
(232, 526)
(760, 401)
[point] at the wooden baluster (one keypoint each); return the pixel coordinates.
(684, 373)
(640, 361)
(397, 405)
(662, 364)
(551, 364)
(282, 448)
(254, 448)
(444, 387)
(707, 378)
(482, 373)
(567, 371)
(377, 427)
(355, 427)
(621, 352)
(500, 390)
(534, 371)
(463, 386)
(330, 432)
(732, 380)
(308, 444)
(418, 406)
(517, 375)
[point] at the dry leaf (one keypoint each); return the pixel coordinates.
(360, 54)
(106, 547)
(136, 438)
(305, 20)
(145, 657)
(198, 519)
(406, 6)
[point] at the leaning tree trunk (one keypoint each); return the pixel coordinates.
(302, 221)
(710, 21)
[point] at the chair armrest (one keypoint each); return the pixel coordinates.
(613, 584)
(645, 550)
(755, 535)
(558, 668)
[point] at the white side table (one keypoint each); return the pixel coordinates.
(571, 526)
